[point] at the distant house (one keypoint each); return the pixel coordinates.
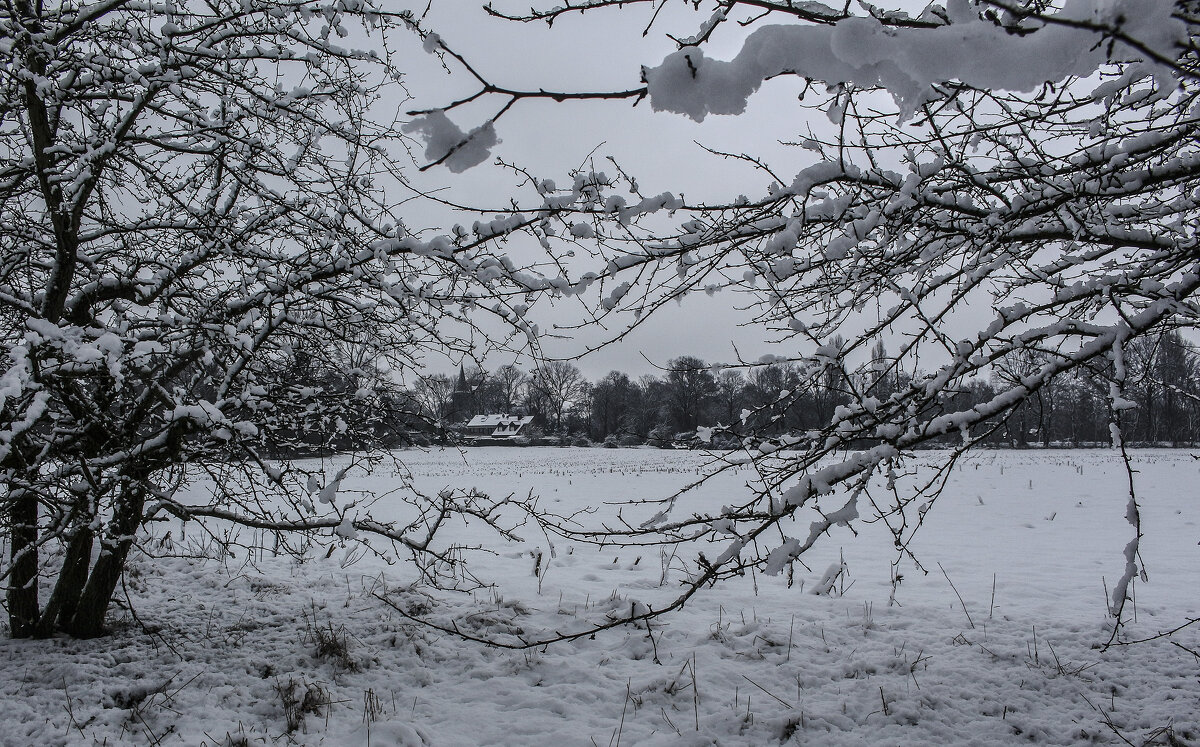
(496, 426)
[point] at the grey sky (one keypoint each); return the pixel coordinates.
(604, 50)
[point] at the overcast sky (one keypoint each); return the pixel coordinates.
(604, 50)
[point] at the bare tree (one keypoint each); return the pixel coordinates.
(769, 395)
(881, 379)
(1175, 367)
(190, 193)
(614, 403)
(554, 388)
(510, 384)
(1026, 423)
(1035, 164)
(731, 395)
(434, 392)
(691, 389)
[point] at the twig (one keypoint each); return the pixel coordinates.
(960, 599)
(1193, 652)
(624, 708)
(695, 692)
(992, 605)
(71, 710)
(1164, 634)
(1108, 721)
(768, 692)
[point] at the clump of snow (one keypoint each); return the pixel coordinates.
(328, 494)
(582, 231)
(829, 579)
(445, 140)
(202, 413)
(612, 299)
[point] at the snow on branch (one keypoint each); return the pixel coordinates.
(907, 62)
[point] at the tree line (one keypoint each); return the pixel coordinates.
(767, 398)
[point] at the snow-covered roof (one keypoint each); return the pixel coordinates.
(498, 421)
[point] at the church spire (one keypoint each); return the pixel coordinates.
(462, 385)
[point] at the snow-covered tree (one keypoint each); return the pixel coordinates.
(1022, 169)
(191, 193)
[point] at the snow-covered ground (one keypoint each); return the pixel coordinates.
(1029, 540)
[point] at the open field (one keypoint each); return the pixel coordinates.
(1010, 654)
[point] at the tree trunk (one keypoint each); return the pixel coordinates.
(88, 619)
(23, 581)
(64, 600)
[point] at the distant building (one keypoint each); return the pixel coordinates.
(462, 399)
(496, 426)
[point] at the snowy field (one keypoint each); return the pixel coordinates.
(255, 649)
